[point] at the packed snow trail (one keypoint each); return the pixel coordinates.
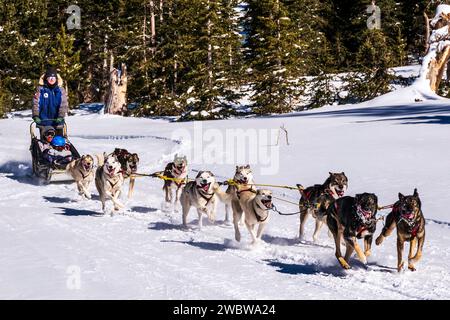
(48, 234)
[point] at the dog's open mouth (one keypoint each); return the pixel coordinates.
(267, 203)
(133, 167)
(365, 213)
(205, 186)
(408, 215)
(87, 166)
(110, 170)
(340, 193)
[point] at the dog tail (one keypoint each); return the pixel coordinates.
(100, 159)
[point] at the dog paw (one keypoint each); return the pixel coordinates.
(367, 253)
(400, 267)
(344, 263)
(379, 240)
(185, 227)
(411, 267)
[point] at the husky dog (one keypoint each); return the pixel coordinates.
(316, 199)
(353, 218)
(407, 216)
(176, 170)
(243, 176)
(201, 194)
(129, 163)
(109, 180)
(82, 171)
(255, 206)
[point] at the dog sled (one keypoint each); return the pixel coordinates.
(41, 167)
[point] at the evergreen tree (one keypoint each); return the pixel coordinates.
(374, 58)
(270, 39)
(68, 62)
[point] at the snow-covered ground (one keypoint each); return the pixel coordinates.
(55, 245)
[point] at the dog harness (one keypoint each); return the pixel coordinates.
(205, 197)
(413, 225)
(363, 223)
(112, 184)
(175, 173)
(84, 176)
(238, 192)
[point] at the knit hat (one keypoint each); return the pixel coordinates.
(51, 72)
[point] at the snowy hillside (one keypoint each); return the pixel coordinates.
(48, 234)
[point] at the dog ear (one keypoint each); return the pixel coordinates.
(247, 166)
(212, 174)
(357, 196)
(376, 203)
(237, 168)
(416, 194)
(330, 173)
(199, 174)
(400, 196)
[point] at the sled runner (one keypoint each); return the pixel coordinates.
(44, 169)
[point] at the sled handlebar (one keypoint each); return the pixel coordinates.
(32, 129)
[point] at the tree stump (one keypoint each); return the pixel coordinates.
(438, 47)
(116, 100)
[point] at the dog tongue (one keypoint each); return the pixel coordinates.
(205, 187)
(408, 215)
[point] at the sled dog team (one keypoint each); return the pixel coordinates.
(348, 218)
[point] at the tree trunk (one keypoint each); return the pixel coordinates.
(209, 62)
(427, 32)
(144, 45)
(438, 53)
(117, 94)
(152, 28)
